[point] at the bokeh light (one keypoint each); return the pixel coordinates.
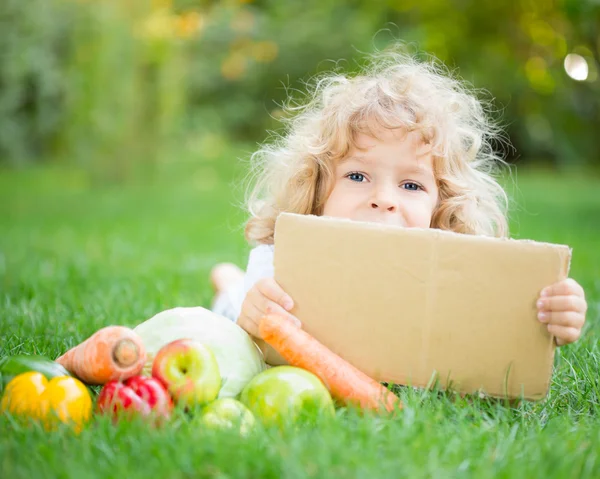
(576, 67)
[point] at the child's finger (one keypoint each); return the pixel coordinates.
(257, 303)
(247, 324)
(269, 288)
(249, 317)
(563, 334)
(562, 303)
(274, 308)
(563, 288)
(569, 319)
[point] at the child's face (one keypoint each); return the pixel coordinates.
(387, 180)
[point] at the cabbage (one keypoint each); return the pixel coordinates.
(238, 356)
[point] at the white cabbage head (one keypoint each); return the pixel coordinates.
(238, 356)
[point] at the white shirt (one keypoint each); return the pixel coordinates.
(260, 265)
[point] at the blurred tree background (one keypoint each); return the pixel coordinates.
(118, 85)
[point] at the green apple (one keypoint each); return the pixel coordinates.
(189, 371)
(227, 413)
(287, 394)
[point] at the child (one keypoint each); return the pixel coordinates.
(403, 143)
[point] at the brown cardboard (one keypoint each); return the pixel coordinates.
(410, 306)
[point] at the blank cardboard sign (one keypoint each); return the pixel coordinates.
(411, 306)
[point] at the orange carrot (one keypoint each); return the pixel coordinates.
(112, 353)
(345, 382)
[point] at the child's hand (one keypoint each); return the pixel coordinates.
(265, 297)
(562, 307)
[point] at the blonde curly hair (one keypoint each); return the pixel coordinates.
(294, 171)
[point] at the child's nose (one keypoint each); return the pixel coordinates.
(385, 200)
(383, 205)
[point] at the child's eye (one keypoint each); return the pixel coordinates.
(354, 176)
(411, 186)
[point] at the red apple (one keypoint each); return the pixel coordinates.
(137, 395)
(190, 372)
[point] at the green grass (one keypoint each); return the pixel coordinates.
(74, 258)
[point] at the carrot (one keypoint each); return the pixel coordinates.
(111, 353)
(345, 382)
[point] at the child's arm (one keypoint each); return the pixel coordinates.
(562, 306)
(263, 294)
(265, 297)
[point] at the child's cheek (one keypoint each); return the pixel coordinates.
(419, 214)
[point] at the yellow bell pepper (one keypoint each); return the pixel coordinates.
(63, 398)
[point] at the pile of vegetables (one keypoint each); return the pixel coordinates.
(238, 356)
(189, 358)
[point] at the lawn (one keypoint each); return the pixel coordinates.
(76, 257)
